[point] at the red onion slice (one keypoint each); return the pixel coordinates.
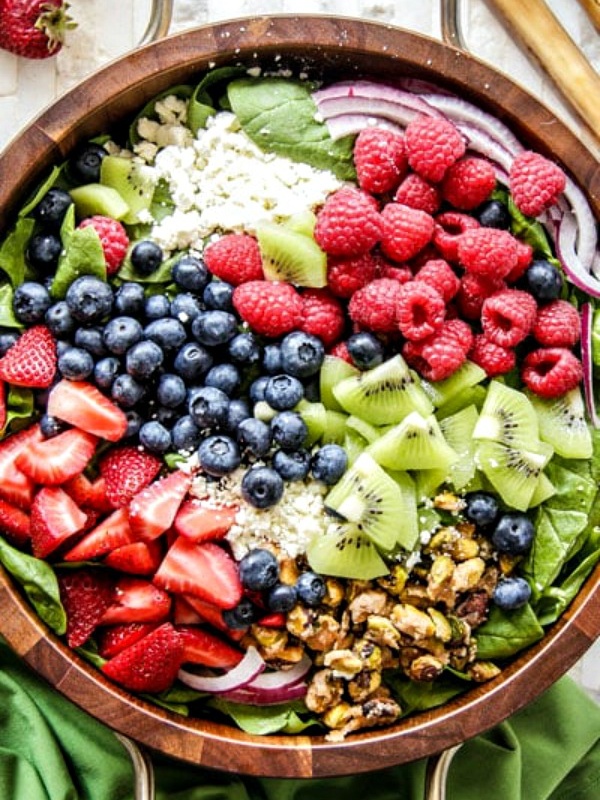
(587, 234)
(575, 271)
(347, 124)
(282, 677)
(374, 107)
(251, 665)
(373, 91)
(266, 697)
(587, 362)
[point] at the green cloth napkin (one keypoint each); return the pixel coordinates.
(51, 750)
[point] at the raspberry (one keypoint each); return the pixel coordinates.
(373, 307)
(468, 183)
(399, 273)
(235, 258)
(406, 231)
(346, 275)
(473, 290)
(507, 317)
(449, 227)
(524, 259)
(535, 182)
(462, 331)
(488, 251)
(551, 371)
(433, 144)
(349, 223)
(557, 324)
(492, 357)
(420, 310)
(416, 192)
(438, 356)
(270, 308)
(340, 350)
(113, 238)
(438, 273)
(380, 159)
(322, 315)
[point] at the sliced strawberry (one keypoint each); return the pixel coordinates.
(274, 620)
(184, 614)
(53, 461)
(203, 570)
(2, 405)
(137, 558)
(87, 493)
(113, 531)
(126, 471)
(14, 523)
(213, 615)
(202, 647)
(149, 665)
(117, 637)
(83, 405)
(16, 487)
(153, 510)
(54, 519)
(31, 361)
(199, 522)
(137, 600)
(85, 595)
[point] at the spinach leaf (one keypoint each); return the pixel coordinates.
(279, 115)
(202, 103)
(39, 584)
(414, 696)
(19, 405)
(507, 632)
(262, 720)
(83, 255)
(12, 251)
(530, 231)
(161, 275)
(183, 91)
(7, 318)
(41, 191)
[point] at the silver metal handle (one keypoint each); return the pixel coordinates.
(142, 768)
(437, 773)
(159, 23)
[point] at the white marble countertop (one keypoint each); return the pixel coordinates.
(108, 28)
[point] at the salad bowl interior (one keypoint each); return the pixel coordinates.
(326, 49)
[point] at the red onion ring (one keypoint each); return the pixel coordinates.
(587, 362)
(251, 665)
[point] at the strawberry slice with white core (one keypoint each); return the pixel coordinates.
(149, 665)
(202, 647)
(16, 487)
(83, 405)
(14, 523)
(203, 570)
(87, 493)
(198, 521)
(152, 511)
(85, 595)
(137, 558)
(114, 531)
(54, 519)
(137, 600)
(53, 461)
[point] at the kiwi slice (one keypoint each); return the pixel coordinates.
(507, 416)
(458, 432)
(290, 256)
(345, 552)
(368, 497)
(354, 444)
(543, 491)
(132, 180)
(465, 377)
(302, 222)
(384, 394)
(408, 526)
(513, 472)
(368, 432)
(473, 396)
(563, 424)
(95, 198)
(333, 370)
(314, 415)
(335, 427)
(415, 443)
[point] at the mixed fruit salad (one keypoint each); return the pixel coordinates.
(297, 403)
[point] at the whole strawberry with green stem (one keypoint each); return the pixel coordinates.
(34, 28)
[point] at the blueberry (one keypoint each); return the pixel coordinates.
(91, 338)
(262, 487)
(166, 416)
(185, 308)
(311, 588)
(282, 598)
(256, 391)
(121, 333)
(218, 295)
(543, 280)
(283, 392)
(225, 377)
(157, 306)
(143, 359)
(105, 371)
(292, 466)
(301, 354)
(214, 327)
(511, 593)
(271, 360)
(258, 570)
(238, 411)
(329, 463)
(242, 615)
(171, 390)
(134, 422)
(254, 436)
(365, 350)
(168, 333)
(218, 455)
(185, 434)
(208, 407)
(130, 299)
(494, 214)
(155, 437)
(89, 299)
(288, 430)
(244, 349)
(51, 426)
(59, 320)
(513, 534)
(43, 251)
(192, 361)
(51, 209)
(190, 273)
(84, 165)
(76, 364)
(146, 257)
(7, 339)
(30, 302)
(126, 391)
(481, 508)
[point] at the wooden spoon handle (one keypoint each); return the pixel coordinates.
(592, 8)
(541, 32)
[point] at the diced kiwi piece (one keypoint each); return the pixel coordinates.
(466, 376)
(563, 424)
(314, 415)
(302, 222)
(458, 432)
(333, 370)
(415, 443)
(408, 526)
(365, 429)
(507, 416)
(343, 551)
(291, 256)
(428, 482)
(335, 427)
(132, 180)
(367, 496)
(473, 396)
(263, 411)
(513, 472)
(384, 394)
(95, 198)
(353, 444)
(543, 490)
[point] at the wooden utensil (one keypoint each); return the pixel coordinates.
(592, 8)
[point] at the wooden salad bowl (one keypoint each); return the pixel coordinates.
(334, 48)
